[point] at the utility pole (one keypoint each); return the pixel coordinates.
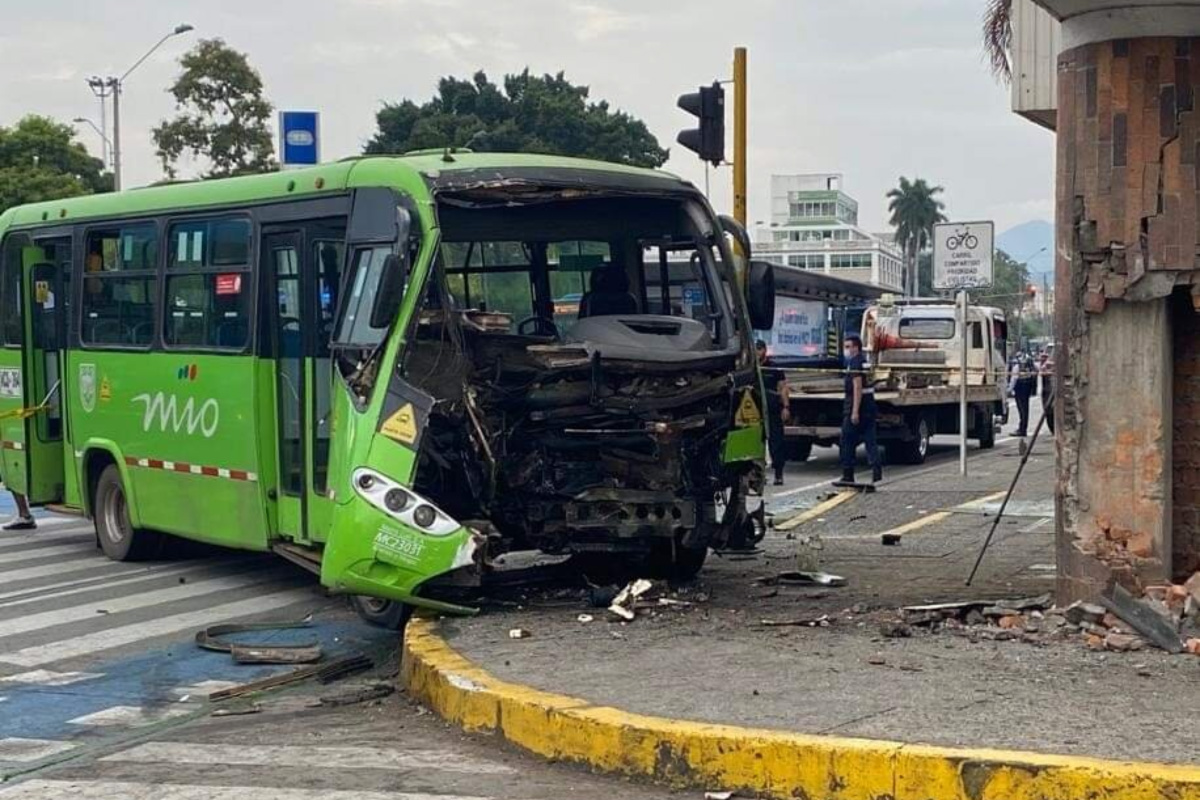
(100, 88)
(115, 84)
(739, 135)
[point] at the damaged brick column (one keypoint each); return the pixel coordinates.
(1127, 285)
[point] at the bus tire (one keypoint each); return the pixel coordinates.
(390, 614)
(672, 561)
(119, 540)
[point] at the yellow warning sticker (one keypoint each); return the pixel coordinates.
(105, 389)
(401, 426)
(41, 292)
(747, 413)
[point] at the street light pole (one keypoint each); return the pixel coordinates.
(115, 85)
(100, 132)
(99, 87)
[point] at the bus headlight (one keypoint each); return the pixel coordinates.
(425, 516)
(403, 504)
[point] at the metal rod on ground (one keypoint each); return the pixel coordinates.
(962, 394)
(1008, 496)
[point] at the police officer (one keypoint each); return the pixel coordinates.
(775, 385)
(1024, 383)
(858, 413)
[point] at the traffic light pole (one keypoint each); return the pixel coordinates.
(739, 134)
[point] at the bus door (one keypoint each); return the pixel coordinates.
(47, 271)
(301, 267)
(31, 441)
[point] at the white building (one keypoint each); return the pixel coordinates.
(814, 225)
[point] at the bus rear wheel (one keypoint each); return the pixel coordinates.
(119, 540)
(388, 614)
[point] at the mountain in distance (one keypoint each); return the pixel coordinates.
(1024, 242)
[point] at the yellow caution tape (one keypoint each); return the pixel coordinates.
(24, 413)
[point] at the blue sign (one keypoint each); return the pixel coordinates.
(299, 138)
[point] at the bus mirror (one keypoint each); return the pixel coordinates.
(390, 293)
(760, 295)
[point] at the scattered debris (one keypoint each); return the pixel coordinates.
(602, 596)
(890, 539)
(805, 622)
(237, 710)
(1123, 642)
(624, 603)
(1080, 612)
(877, 661)
(343, 668)
(807, 578)
(895, 630)
(359, 694)
(585, 618)
(718, 795)
(1144, 619)
(322, 673)
(519, 633)
(307, 653)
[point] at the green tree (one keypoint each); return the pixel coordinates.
(40, 160)
(915, 209)
(223, 115)
(1010, 284)
(532, 114)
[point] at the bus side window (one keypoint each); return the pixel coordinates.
(119, 285)
(10, 290)
(208, 284)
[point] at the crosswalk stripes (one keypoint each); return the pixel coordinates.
(127, 790)
(259, 769)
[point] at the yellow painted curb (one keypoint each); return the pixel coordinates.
(772, 763)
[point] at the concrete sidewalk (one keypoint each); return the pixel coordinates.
(724, 658)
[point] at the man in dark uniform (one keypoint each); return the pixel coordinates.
(775, 385)
(859, 414)
(1024, 383)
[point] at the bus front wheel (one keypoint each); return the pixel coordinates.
(384, 613)
(119, 540)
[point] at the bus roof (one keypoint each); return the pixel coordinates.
(411, 172)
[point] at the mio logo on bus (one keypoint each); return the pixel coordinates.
(166, 410)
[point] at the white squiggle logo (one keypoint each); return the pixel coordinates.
(170, 415)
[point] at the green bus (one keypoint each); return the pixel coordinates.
(361, 367)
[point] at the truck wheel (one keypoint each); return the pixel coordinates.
(119, 540)
(987, 429)
(676, 563)
(388, 614)
(799, 450)
(916, 449)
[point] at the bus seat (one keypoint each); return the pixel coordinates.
(609, 294)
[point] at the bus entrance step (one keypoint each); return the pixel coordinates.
(301, 556)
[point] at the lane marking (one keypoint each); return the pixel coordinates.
(45, 677)
(45, 570)
(928, 519)
(815, 511)
(40, 553)
(980, 502)
(130, 790)
(22, 751)
(306, 757)
(130, 602)
(91, 644)
(38, 594)
(129, 716)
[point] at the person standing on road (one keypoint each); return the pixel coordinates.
(858, 413)
(1024, 381)
(777, 400)
(1046, 372)
(24, 520)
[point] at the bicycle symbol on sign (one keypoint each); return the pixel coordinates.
(962, 238)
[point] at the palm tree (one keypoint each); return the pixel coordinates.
(915, 210)
(997, 37)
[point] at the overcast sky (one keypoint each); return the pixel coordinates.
(874, 89)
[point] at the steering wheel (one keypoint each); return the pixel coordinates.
(541, 327)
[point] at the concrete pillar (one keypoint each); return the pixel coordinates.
(1127, 224)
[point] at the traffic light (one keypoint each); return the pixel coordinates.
(708, 140)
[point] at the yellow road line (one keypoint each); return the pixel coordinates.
(771, 763)
(815, 511)
(930, 519)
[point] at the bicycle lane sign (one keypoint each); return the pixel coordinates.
(962, 255)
